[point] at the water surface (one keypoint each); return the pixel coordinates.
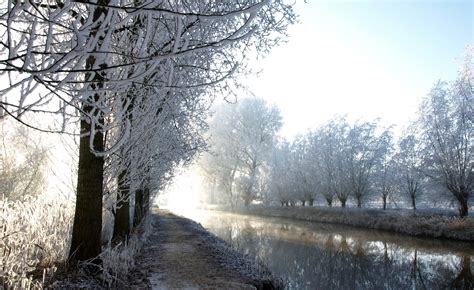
(308, 255)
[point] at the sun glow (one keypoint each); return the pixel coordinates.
(181, 197)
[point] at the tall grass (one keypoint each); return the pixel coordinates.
(118, 261)
(34, 236)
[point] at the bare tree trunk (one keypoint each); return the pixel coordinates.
(87, 226)
(142, 205)
(311, 202)
(146, 201)
(329, 202)
(463, 210)
(343, 202)
(413, 202)
(139, 211)
(462, 198)
(122, 212)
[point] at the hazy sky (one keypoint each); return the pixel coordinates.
(366, 59)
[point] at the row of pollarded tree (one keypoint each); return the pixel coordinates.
(134, 80)
(342, 160)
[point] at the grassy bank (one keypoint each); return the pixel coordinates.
(414, 223)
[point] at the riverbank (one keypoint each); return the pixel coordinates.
(408, 222)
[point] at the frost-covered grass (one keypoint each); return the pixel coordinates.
(415, 223)
(34, 237)
(119, 260)
(117, 263)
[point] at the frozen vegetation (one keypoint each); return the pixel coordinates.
(425, 223)
(127, 90)
(348, 163)
(127, 85)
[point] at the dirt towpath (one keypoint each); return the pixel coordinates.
(180, 254)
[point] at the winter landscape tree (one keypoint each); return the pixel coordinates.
(240, 145)
(409, 173)
(367, 149)
(81, 55)
(24, 159)
(448, 130)
(384, 177)
(280, 179)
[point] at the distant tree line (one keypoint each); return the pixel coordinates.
(342, 160)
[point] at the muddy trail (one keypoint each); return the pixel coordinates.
(180, 254)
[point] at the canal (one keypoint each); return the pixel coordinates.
(308, 255)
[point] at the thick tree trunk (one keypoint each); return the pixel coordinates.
(146, 201)
(413, 202)
(384, 199)
(139, 210)
(463, 209)
(359, 202)
(311, 202)
(303, 202)
(462, 198)
(343, 202)
(142, 205)
(329, 202)
(87, 226)
(122, 212)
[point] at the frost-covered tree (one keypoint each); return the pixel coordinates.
(23, 161)
(408, 160)
(76, 60)
(339, 159)
(321, 153)
(280, 178)
(241, 139)
(302, 169)
(446, 121)
(368, 145)
(220, 165)
(336, 144)
(384, 178)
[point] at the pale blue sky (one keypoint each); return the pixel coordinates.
(366, 59)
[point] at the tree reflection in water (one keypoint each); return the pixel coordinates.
(318, 256)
